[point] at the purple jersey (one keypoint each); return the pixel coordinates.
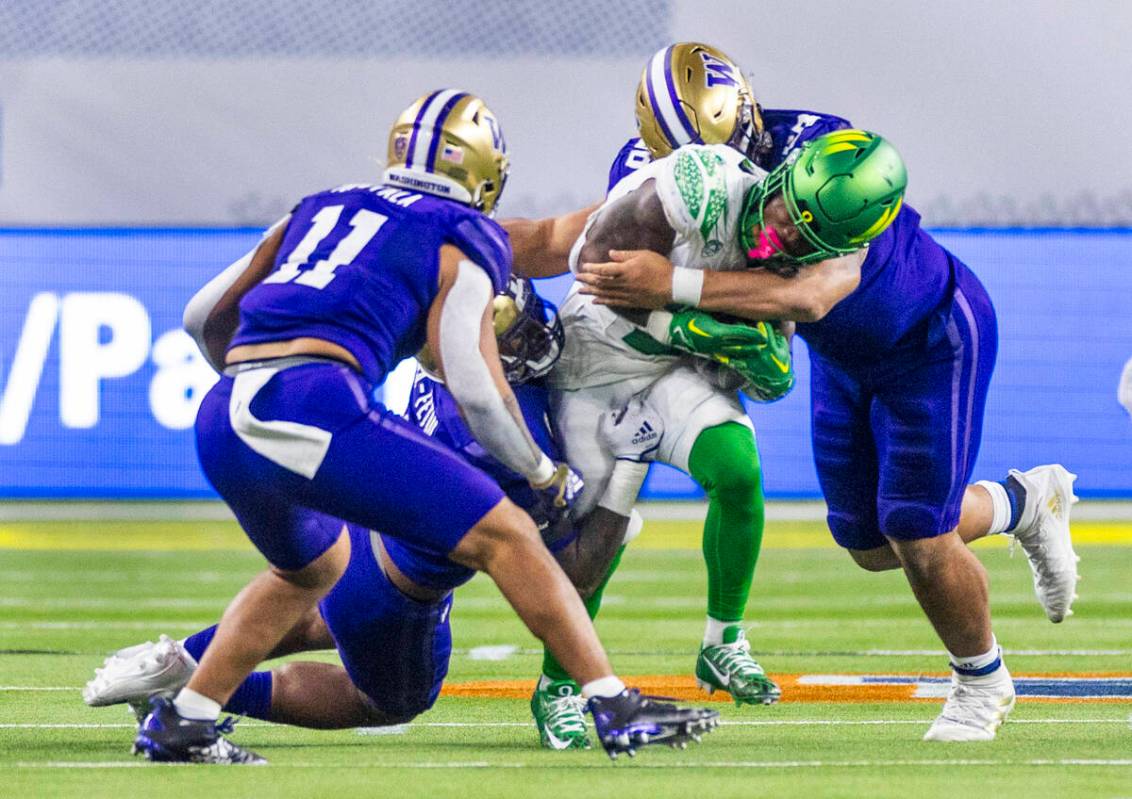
(905, 279)
(358, 266)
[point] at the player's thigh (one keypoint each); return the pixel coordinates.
(309, 438)
(928, 423)
(260, 493)
(687, 404)
(844, 455)
(384, 474)
(395, 649)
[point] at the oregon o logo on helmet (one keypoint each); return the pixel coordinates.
(844, 190)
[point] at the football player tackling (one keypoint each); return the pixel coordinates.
(354, 280)
(902, 355)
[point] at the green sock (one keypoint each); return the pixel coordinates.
(550, 666)
(725, 462)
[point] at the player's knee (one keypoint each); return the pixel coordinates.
(923, 556)
(880, 559)
(399, 709)
(323, 572)
(376, 717)
(742, 483)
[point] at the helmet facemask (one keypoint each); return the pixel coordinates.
(840, 191)
(528, 332)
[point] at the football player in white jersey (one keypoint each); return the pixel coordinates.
(672, 407)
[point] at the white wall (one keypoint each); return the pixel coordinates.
(1006, 112)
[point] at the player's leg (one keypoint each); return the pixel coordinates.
(707, 434)
(135, 674)
(927, 425)
(1034, 507)
(555, 703)
(260, 437)
(394, 649)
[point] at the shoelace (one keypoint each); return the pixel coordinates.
(567, 713)
(736, 659)
(970, 713)
(228, 726)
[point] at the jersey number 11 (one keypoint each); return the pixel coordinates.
(365, 225)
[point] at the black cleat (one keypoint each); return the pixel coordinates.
(630, 720)
(166, 737)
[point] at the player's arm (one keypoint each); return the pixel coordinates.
(587, 559)
(461, 333)
(634, 222)
(641, 279)
(212, 315)
(541, 247)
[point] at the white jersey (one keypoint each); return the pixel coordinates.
(701, 189)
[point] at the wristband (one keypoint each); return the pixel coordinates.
(658, 326)
(623, 486)
(687, 285)
(633, 529)
(543, 473)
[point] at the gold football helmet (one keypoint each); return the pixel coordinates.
(449, 143)
(692, 93)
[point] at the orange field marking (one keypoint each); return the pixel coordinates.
(684, 687)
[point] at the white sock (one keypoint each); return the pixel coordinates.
(714, 629)
(605, 686)
(192, 705)
(978, 666)
(1000, 502)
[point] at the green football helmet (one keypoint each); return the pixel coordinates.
(842, 191)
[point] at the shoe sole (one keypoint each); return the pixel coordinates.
(1062, 485)
(768, 699)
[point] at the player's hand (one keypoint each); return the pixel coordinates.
(629, 279)
(700, 333)
(557, 495)
(769, 373)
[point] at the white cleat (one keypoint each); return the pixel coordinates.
(975, 709)
(1043, 532)
(136, 673)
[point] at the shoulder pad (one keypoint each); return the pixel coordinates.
(486, 243)
(701, 182)
(632, 156)
(790, 129)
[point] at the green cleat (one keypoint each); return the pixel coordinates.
(730, 667)
(560, 714)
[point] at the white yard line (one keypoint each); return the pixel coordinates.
(662, 764)
(496, 651)
(520, 724)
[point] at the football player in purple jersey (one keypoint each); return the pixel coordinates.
(388, 615)
(902, 340)
(351, 282)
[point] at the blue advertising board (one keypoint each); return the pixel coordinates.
(99, 385)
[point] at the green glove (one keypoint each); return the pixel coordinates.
(769, 372)
(700, 333)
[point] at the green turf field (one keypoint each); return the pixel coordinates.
(70, 593)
